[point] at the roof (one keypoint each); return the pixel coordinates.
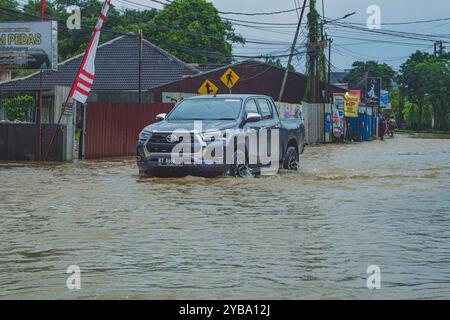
(255, 77)
(117, 67)
(205, 67)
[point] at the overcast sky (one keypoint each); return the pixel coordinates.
(345, 50)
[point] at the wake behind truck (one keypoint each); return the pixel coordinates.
(231, 134)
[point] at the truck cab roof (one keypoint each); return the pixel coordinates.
(229, 96)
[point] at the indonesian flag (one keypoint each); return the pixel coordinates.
(85, 77)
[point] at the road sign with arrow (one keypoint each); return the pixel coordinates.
(208, 88)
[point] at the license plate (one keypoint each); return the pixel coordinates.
(167, 162)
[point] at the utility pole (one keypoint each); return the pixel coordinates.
(294, 43)
(441, 48)
(330, 41)
(315, 63)
(312, 50)
(140, 66)
(39, 112)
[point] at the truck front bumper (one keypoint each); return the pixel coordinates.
(149, 165)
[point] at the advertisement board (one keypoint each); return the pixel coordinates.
(339, 100)
(373, 94)
(351, 105)
(384, 99)
(28, 45)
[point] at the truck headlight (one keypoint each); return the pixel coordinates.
(144, 136)
(209, 137)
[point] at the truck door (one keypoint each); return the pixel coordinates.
(269, 121)
(254, 127)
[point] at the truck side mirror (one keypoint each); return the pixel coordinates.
(252, 117)
(161, 117)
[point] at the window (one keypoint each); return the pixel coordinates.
(250, 107)
(206, 109)
(266, 108)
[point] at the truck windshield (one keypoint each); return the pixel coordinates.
(207, 109)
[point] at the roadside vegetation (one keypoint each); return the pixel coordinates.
(191, 30)
(20, 108)
(419, 93)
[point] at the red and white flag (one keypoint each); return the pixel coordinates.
(85, 77)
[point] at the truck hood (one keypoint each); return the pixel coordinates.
(170, 126)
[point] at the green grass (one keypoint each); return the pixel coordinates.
(432, 131)
(427, 134)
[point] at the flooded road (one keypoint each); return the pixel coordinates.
(304, 235)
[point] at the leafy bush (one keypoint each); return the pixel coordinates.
(413, 120)
(19, 108)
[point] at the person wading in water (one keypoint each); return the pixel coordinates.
(382, 127)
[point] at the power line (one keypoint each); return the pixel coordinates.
(243, 13)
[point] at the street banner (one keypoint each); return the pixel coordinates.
(384, 99)
(351, 105)
(85, 77)
(29, 45)
(327, 122)
(339, 100)
(356, 93)
(373, 94)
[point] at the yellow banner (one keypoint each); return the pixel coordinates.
(351, 105)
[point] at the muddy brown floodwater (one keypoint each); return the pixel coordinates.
(310, 234)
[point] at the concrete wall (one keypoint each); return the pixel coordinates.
(68, 119)
(314, 117)
(19, 142)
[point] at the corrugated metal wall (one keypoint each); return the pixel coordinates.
(112, 128)
(314, 117)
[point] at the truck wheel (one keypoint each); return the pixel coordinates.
(240, 170)
(291, 159)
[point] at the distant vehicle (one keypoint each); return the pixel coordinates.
(221, 114)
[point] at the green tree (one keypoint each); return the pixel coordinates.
(357, 74)
(411, 79)
(424, 79)
(436, 81)
(193, 31)
(277, 63)
(397, 101)
(9, 11)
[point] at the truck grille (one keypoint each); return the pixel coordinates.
(158, 142)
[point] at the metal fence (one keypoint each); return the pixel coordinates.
(313, 115)
(19, 142)
(112, 128)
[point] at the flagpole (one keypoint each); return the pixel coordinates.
(63, 109)
(76, 89)
(39, 113)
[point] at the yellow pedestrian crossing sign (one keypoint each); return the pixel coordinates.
(208, 88)
(230, 78)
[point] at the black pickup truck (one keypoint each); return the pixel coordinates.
(206, 132)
